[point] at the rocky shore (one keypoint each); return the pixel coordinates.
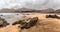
(43, 25)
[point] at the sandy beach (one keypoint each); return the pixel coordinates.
(44, 25)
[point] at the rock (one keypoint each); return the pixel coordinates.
(3, 22)
(52, 16)
(21, 21)
(18, 22)
(24, 24)
(32, 22)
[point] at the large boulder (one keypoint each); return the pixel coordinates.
(26, 23)
(18, 22)
(31, 23)
(52, 16)
(3, 22)
(21, 21)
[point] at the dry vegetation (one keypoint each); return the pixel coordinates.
(44, 25)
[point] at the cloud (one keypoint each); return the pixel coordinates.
(34, 4)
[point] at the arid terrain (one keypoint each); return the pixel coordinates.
(44, 25)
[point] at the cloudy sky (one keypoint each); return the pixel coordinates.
(35, 4)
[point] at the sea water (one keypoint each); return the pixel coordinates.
(11, 17)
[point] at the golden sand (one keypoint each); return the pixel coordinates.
(44, 25)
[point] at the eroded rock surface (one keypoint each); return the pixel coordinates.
(31, 23)
(52, 16)
(27, 23)
(3, 22)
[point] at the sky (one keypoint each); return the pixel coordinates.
(33, 4)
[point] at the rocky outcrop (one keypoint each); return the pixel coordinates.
(52, 16)
(3, 23)
(31, 23)
(24, 19)
(27, 23)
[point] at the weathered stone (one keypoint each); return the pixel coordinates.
(21, 21)
(32, 22)
(24, 24)
(3, 23)
(17, 22)
(52, 16)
